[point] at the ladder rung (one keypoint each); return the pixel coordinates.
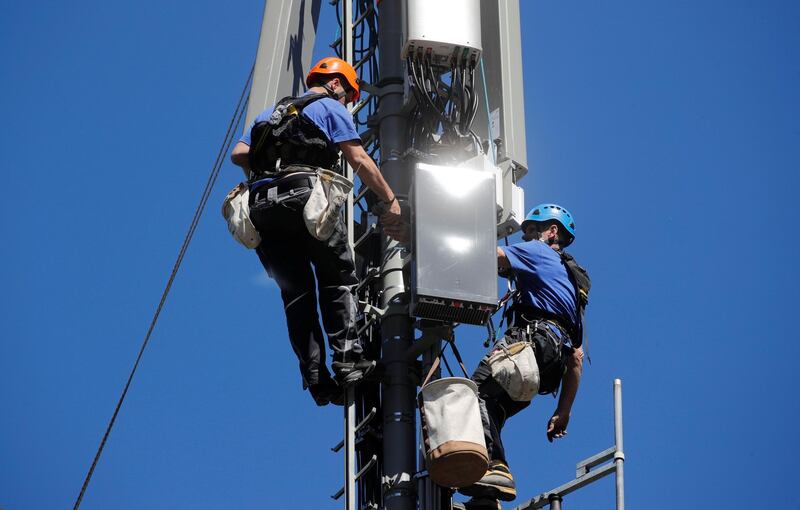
(361, 472)
(366, 235)
(371, 274)
(363, 15)
(366, 326)
(364, 59)
(360, 425)
(361, 194)
(359, 106)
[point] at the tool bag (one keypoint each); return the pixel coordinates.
(236, 211)
(455, 449)
(321, 211)
(514, 368)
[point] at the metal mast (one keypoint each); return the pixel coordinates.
(398, 389)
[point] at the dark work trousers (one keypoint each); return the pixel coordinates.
(288, 252)
(496, 407)
(495, 404)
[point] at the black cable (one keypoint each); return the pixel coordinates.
(237, 118)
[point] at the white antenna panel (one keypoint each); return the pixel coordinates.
(448, 31)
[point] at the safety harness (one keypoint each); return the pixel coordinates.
(288, 138)
(582, 283)
(524, 322)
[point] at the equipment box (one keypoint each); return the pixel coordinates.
(454, 271)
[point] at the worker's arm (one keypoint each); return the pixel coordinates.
(503, 263)
(557, 425)
(240, 157)
(370, 175)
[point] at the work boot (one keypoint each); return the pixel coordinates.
(482, 504)
(350, 372)
(497, 483)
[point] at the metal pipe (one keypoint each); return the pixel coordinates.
(347, 56)
(398, 390)
(350, 409)
(555, 502)
(349, 450)
(619, 455)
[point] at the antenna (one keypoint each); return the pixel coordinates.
(587, 470)
(444, 117)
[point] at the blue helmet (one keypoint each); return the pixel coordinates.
(547, 212)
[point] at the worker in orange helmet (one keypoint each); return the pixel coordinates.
(282, 154)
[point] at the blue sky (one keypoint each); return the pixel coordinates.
(667, 128)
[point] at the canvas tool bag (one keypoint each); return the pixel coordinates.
(515, 369)
(455, 450)
(236, 211)
(321, 212)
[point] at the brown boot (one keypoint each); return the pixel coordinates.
(497, 483)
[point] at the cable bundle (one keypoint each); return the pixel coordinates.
(446, 104)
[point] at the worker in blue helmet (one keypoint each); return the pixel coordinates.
(551, 291)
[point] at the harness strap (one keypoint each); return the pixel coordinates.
(439, 358)
(529, 315)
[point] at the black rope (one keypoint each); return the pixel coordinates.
(212, 179)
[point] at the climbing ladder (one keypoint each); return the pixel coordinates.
(362, 442)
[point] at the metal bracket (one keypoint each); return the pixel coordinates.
(382, 90)
(585, 465)
(372, 312)
(372, 273)
(543, 499)
(400, 418)
(398, 482)
(430, 335)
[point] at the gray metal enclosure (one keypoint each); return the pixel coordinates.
(454, 241)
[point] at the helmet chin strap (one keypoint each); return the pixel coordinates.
(332, 93)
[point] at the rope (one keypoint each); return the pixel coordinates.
(212, 179)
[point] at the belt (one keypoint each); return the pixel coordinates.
(524, 317)
(286, 182)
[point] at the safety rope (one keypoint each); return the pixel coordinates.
(212, 179)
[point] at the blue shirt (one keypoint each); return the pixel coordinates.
(542, 279)
(329, 115)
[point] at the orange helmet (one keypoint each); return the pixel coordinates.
(333, 65)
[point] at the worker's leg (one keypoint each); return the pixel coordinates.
(336, 277)
(496, 407)
(333, 263)
(284, 256)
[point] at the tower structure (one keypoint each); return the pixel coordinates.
(426, 92)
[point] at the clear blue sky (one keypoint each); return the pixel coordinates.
(668, 128)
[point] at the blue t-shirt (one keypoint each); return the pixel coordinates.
(542, 279)
(329, 115)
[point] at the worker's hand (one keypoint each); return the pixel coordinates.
(398, 231)
(392, 223)
(392, 215)
(557, 426)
